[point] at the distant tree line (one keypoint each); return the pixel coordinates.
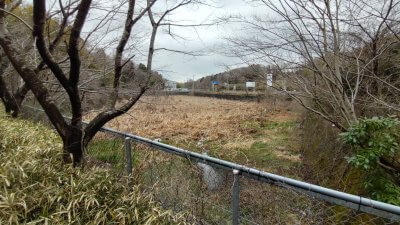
(238, 77)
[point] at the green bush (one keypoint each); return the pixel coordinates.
(37, 188)
(374, 139)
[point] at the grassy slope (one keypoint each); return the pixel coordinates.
(36, 187)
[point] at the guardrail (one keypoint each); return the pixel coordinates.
(335, 197)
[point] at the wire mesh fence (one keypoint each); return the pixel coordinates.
(183, 185)
(287, 205)
(207, 193)
(176, 183)
(107, 151)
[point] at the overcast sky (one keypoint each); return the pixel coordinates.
(178, 67)
(207, 39)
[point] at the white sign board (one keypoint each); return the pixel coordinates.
(269, 80)
(250, 84)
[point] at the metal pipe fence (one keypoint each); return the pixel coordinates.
(216, 191)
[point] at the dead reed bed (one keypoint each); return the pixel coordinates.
(246, 132)
(193, 118)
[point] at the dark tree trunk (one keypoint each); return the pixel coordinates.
(20, 94)
(375, 68)
(102, 118)
(73, 145)
(29, 76)
(10, 103)
(74, 138)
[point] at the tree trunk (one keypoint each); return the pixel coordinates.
(10, 103)
(73, 146)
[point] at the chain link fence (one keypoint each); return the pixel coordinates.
(215, 194)
(207, 192)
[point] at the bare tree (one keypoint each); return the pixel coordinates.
(68, 72)
(13, 99)
(74, 137)
(376, 26)
(325, 49)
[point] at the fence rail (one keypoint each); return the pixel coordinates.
(358, 203)
(367, 205)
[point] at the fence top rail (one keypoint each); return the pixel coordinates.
(337, 197)
(261, 175)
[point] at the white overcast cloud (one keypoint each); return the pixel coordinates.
(207, 40)
(174, 66)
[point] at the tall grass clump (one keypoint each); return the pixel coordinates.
(36, 187)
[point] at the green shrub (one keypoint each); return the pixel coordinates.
(37, 188)
(374, 139)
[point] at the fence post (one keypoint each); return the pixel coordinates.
(235, 198)
(128, 155)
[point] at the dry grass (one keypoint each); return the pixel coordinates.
(225, 128)
(194, 118)
(250, 133)
(38, 188)
(187, 118)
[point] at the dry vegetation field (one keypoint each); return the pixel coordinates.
(257, 134)
(252, 133)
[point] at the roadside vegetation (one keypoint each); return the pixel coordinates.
(38, 188)
(337, 60)
(250, 133)
(375, 141)
(255, 134)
